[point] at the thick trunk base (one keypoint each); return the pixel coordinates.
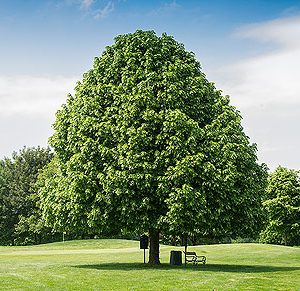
(154, 247)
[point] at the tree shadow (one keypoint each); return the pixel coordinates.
(230, 268)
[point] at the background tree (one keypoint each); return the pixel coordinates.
(3, 206)
(282, 205)
(18, 193)
(148, 144)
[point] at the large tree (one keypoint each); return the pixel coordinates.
(282, 205)
(147, 143)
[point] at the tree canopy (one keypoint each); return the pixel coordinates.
(282, 205)
(19, 220)
(147, 143)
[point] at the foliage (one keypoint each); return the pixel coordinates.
(147, 143)
(3, 205)
(282, 204)
(19, 216)
(49, 180)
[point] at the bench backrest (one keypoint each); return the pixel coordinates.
(190, 253)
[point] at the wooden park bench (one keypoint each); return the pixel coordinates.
(191, 257)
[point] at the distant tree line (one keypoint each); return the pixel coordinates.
(282, 208)
(22, 222)
(20, 217)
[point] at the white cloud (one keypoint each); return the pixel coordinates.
(27, 111)
(283, 32)
(266, 88)
(105, 11)
(92, 8)
(33, 95)
(171, 5)
(86, 4)
(165, 8)
(271, 77)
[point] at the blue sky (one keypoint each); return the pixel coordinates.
(62, 37)
(250, 49)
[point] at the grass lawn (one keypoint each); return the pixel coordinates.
(117, 265)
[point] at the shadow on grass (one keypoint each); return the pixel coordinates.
(193, 268)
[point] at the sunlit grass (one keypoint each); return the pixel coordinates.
(117, 265)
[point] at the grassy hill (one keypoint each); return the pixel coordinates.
(117, 265)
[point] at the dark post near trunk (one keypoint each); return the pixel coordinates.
(184, 240)
(144, 241)
(154, 247)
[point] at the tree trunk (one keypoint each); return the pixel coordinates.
(285, 240)
(154, 247)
